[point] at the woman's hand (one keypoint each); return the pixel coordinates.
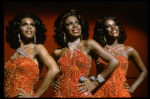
(24, 94)
(56, 86)
(88, 85)
(130, 89)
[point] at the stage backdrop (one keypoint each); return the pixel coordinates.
(132, 14)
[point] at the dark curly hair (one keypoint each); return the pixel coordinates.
(59, 27)
(100, 31)
(13, 26)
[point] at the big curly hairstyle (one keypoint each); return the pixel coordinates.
(100, 31)
(13, 26)
(59, 27)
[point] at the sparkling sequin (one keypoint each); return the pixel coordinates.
(115, 85)
(20, 73)
(72, 68)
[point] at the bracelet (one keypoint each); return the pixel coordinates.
(92, 78)
(100, 79)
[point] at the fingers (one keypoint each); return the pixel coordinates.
(56, 83)
(127, 86)
(83, 89)
(56, 86)
(22, 91)
(80, 84)
(19, 94)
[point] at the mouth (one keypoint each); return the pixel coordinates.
(75, 31)
(29, 32)
(114, 31)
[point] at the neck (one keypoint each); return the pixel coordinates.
(24, 43)
(71, 40)
(112, 41)
(72, 45)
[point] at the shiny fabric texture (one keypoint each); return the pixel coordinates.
(114, 87)
(21, 73)
(73, 65)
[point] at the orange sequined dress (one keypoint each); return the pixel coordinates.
(20, 73)
(115, 85)
(73, 65)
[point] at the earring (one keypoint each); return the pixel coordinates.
(64, 38)
(105, 38)
(19, 37)
(34, 38)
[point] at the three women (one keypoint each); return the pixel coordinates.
(74, 58)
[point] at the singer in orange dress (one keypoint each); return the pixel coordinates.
(73, 66)
(75, 56)
(24, 67)
(115, 85)
(21, 73)
(108, 32)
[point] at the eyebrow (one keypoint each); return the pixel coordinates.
(28, 23)
(110, 24)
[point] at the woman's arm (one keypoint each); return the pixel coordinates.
(135, 58)
(110, 59)
(112, 64)
(52, 69)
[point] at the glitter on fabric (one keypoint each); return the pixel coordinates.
(114, 87)
(21, 73)
(72, 68)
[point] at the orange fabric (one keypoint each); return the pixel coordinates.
(72, 68)
(21, 73)
(115, 85)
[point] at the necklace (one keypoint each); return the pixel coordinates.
(73, 45)
(20, 50)
(110, 48)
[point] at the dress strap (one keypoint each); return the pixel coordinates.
(20, 50)
(117, 48)
(112, 49)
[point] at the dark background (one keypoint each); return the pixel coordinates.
(133, 14)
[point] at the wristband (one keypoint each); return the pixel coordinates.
(100, 79)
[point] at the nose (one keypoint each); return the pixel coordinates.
(75, 25)
(29, 26)
(113, 27)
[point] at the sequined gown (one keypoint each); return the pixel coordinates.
(115, 85)
(20, 73)
(73, 66)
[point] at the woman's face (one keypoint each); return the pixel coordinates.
(27, 28)
(111, 28)
(73, 26)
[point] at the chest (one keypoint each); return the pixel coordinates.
(83, 49)
(29, 52)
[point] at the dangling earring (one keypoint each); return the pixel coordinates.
(35, 39)
(64, 38)
(19, 37)
(104, 38)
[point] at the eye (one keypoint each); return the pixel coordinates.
(23, 24)
(78, 23)
(33, 24)
(108, 25)
(69, 23)
(115, 24)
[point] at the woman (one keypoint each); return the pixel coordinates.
(75, 56)
(26, 33)
(108, 32)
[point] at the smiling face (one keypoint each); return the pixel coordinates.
(27, 28)
(73, 27)
(111, 28)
